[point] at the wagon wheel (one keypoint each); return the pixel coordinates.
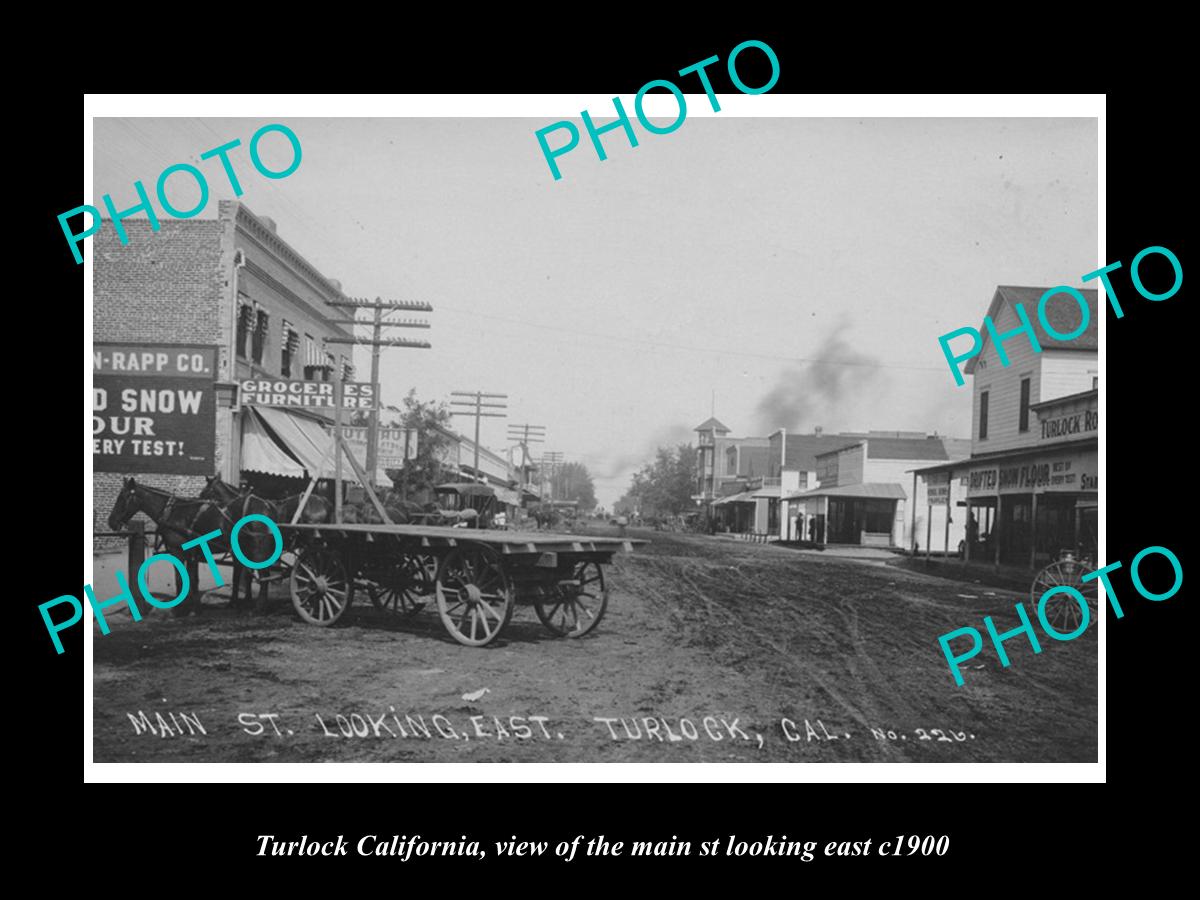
(577, 604)
(405, 586)
(1062, 610)
(321, 590)
(474, 596)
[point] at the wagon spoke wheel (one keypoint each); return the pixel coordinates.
(575, 605)
(321, 590)
(1062, 610)
(405, 588)
(474, 596)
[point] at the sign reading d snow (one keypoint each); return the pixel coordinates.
(153, 408)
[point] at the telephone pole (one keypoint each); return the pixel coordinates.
(376, 341)
(551, 460)
(523, 436)
(477, 410)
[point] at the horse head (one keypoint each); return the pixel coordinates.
(125, 506)
(217, 488)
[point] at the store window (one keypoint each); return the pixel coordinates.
(983, 415)
(1023, 426)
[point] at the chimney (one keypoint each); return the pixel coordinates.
(818, 430)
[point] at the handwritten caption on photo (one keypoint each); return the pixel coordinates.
(126, 595)
(1026, 627)
(622, 120)
(522, 729)
(222, 152)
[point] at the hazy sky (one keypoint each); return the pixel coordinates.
(612, 304)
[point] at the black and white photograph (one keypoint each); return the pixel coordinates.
(453, 439)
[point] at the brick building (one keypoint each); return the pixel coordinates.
(232, 283)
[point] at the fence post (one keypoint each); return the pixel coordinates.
(137, 547)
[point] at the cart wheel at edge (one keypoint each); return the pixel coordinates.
(474, 596)
(578, 603)
(1062, 610)
(321, 590)
(407, 586)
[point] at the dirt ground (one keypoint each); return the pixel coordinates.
(711, 651)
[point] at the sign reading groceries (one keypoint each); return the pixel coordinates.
(360, 395)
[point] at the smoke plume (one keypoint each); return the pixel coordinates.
(820, 392)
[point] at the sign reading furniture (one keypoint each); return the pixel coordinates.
(153, 408)
(358, 395)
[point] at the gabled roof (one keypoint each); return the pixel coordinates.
(713, 425)
(1062, 312)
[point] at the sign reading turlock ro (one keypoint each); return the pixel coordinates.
(153, 408)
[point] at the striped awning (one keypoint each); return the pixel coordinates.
(260, 453)
(304, 439)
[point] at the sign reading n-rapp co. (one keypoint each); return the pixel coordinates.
(153, 408)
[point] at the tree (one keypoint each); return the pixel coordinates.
(429, 421)
(573, 481)
(665, 486)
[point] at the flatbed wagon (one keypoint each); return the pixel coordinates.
(475, 576)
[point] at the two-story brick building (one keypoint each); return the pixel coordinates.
(1032, 479)
(234, 284)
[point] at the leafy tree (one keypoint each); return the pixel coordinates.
(573, 481)
(426, 469)
(665, 486)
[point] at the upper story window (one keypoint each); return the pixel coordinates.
(347, 370)
(312, 359)
(258, 343)
(983, 415)
(1095, 382)
(245, 322)
(290, 347)
(1023, 424)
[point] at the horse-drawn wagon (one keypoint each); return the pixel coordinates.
(475, 577)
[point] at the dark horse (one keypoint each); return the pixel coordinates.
(182, 519)
(316, 511)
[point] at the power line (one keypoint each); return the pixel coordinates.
(688, 348)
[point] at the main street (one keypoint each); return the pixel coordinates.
(711, 651)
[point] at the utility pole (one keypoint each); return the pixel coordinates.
(551, 460)
(523, 436)
(477, 410)
(375, 343)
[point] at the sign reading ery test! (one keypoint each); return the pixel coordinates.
(153, 408)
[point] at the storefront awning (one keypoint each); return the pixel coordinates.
(743, 497)
(305, 439)
(886, 490)
(261, 454)
(504, 495)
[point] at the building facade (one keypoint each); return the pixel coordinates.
(1032, 480)
(233, 285)
(722, 460)
(862, 494)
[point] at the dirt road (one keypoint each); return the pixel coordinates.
(711, 651)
